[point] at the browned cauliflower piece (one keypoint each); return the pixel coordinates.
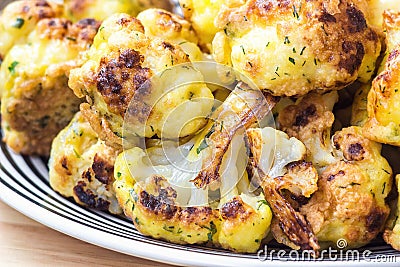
(383, 123)
(36, 102)
(82, 166)
(350, 201)
(292, 47)
(310, 120)
(278, 161)
(128, 75)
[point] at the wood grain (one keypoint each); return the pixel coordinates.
(25, 242)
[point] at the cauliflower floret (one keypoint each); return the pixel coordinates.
(297, 46)
(101, 9)
(310, 120)
(163, 203)
(350, 201)
(168, 26)
(81, 166)
(19, 18)
(383, 124)
(37, 102)
(392, 233)
(156, 187)
(119, 81)
(277, 160)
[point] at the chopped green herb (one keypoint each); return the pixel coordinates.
(152, 129)
(119, 174)
(71, 38)
(168, 229)
(287, 41)
(386, 171)
(304, 63)
(315, 61)
(295, 13)
(78, 133)
(292, 60)
(384, 187)
(241, 46)
(137, 221)
(181, 43)
(294, 50)
(203, 145)
(267, 44)
(77, 154)
(261, 202)
(256, 240)
(12, 66)
(212, 230)
(302, 50)
(18, 23)
(251, 65)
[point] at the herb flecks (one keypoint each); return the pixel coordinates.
(18, 23)
(12, 66)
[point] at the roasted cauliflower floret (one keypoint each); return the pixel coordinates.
(168, 26)
(350, 201)
(163, 202)
(278, 161)
(19, 18)
(82, 166)
(159, 191)
(392, 233)
(293, 47)
(310, 120)
(101, 9)
(120, 83)
(37, 102)
(383, 124)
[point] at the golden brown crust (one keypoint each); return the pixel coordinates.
(334, 38)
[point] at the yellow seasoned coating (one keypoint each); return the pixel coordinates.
(82, 166)
(350, 201)
(36, 101)
(19, 18)
(392, 233)
(383, 124)
(163, 24)
(117, 77)
(292, 47)
(101, 9)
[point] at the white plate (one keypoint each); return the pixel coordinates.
(24, 186)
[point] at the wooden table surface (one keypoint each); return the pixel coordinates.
(25, 242)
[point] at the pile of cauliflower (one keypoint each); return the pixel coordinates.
(113, 96)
